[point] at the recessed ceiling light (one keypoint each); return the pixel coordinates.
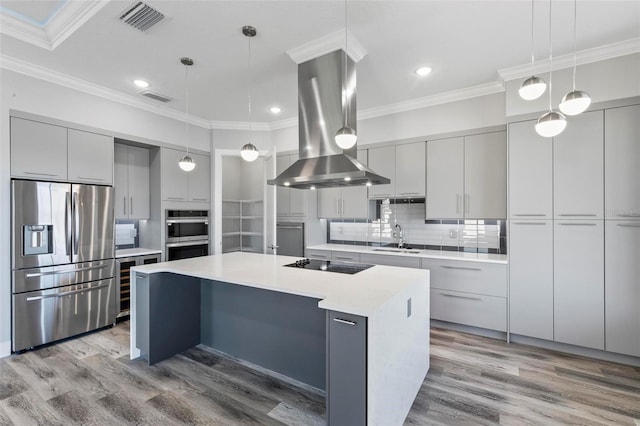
(347, 179)
(141, 84)
(275, 110)
(422, 71)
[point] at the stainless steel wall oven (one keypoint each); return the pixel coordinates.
(187, 234)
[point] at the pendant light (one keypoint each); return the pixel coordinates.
(577, 101)
(186, 163)
(346, 137)
(551, 123)
(249, 152)
(533, 87)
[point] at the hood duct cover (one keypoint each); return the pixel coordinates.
(322, 163)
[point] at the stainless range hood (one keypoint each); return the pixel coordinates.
(322, 163)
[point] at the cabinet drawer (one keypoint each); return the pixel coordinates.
(469, 309)
(471, 277)
(345, 256)
(382, 259)
(319, 254)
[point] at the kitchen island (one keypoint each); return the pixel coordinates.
(363, 338)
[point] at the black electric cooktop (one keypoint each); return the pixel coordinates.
(329, 266)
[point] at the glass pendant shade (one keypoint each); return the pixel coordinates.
(346, 137)
(551, 124)
(249, 152)
(532, 88)
(575, 102)
(186, 163)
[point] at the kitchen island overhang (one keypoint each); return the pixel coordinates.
(314, 326)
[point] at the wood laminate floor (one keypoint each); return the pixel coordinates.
(473, 380)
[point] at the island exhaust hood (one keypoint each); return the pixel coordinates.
(322, 163)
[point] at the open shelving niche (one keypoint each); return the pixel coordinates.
(242, 225)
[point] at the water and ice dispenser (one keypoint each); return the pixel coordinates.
(37, 239)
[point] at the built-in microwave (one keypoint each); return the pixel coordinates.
(187, 225)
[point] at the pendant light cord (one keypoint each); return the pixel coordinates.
(532, 49)
(550, 59)
(249, 92)
(346, 72)
(575, 8)
(186, 108)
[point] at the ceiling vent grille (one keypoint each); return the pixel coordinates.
(141, 16)
(156, 96)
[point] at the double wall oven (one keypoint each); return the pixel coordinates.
(187, 234)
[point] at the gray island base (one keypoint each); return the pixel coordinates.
(362, 338)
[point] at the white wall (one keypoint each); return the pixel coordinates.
(474, 113)
(23, 93)
(608, 80)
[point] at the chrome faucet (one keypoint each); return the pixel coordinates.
(398, 236)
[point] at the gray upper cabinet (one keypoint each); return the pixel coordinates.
(410, 170)
(38, 150)
(578, 282)
(622, 162)
(90, 157)
(531, 278)
(345, 202)
(383, 162)
(174, 179)
(200, 179)
(530, 172)
(48, 152)
(485, 176)
(445, 178)
(131, 182)
(578, 168)
(289, 201)
(622, 290)
(467, 177)
(177, 184)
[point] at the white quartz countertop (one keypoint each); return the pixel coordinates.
(432, 254)
(140, 251)
(360, 294)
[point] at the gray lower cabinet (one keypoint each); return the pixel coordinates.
(318, 254)
(531, 278)
(347, 369)
(622, 290)
(578, 281)
(390, 260)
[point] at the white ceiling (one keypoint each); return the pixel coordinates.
(465, 42)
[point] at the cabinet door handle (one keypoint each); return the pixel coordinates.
(461, 267)
(67, 293)
(629, 215)
(409, 193)
(91, 178)
(124, 205)
(528, 223)
(531, 214)
(199, 199)
(344, 258)
(455, 296)
(131, 206)
(629, 225)
(577, 224)
(344, 321)
(40, 174)
(577, 215)
(175, 198)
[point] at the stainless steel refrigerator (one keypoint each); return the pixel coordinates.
(62, 261)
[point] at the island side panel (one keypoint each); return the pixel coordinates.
(282, 332)
(398, 354)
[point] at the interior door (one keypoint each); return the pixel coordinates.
(270, 205)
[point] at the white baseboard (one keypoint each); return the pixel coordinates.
(5, 348)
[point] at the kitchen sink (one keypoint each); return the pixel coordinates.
(395, 250)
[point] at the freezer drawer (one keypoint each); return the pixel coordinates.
(48, 315)
(63, 275)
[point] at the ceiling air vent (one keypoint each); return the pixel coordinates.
(154, 95)
(141, 16)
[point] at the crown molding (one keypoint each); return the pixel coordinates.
(239, 125)
(59, 27)
(326, 44)
(285, 123)
(16, 65)
(587, 56)
(428, 101)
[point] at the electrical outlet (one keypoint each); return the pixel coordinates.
(453, 233)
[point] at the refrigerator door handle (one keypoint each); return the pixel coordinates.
(76, 220)
(67, 223)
